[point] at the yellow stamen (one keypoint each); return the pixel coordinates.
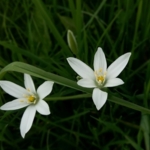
(31, 98)
(100, 78)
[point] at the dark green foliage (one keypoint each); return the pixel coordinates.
(35, 32)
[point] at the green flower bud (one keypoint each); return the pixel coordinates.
(72, 42)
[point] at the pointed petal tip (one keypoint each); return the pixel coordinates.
(42, 107)
(1, 108)
(29, 84)
(100, 60)
(81, 68)
(13, 89)
(27, 120)
(48, 113)
(69, 58)
(118, 65)
(50, 82)
(129, 54)
(14, 104)
(87, 83)
(25, 74)
(99, 98)
(23, 135)
(69, 30)
(45, 89)
(99, 49)
(114, 82)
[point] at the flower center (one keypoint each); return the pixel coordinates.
(100, 76)
(31, 99)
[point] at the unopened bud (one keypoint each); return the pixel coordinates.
(72, 42)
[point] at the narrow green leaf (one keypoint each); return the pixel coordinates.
(21, 51)
(45, 14)
(145, 125)
(128, 104)
(114, 127)
(34, 71)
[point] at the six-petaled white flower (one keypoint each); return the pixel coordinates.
(101, 77)
(27, 96)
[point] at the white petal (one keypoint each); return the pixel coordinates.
(27, 120)
(100, 60)
(28, 82)
(99, 98)
(13, 89)
(15, 104)
(117, 66)
(42, 107)
(81, 68)
(113, 82)
(45, 89)
(87, 83)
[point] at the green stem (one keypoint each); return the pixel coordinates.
(68, 97)
(26, 68)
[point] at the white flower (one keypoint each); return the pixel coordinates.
(101, 77)
(27, 96)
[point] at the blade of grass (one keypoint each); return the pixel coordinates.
(68, 97)
(18, 50)
(25, 68)
(114, 127)
(145, 125)
(138, 16)
(108, 27)
(94, 15)
(40, 6)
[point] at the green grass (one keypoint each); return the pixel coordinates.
(33, 34)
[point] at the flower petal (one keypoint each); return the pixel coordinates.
(28, 82)
(87, 83)
(45, 89)
(27, 120)
(117, 66)
(42, 107)
(15, 104)
(81, 68)
(100, 60)
(13, 89)
(113, 82)
(99, 98)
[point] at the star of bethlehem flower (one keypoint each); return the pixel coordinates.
(101, 76)
(29, 97)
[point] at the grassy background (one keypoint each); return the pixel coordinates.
(35, 32)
